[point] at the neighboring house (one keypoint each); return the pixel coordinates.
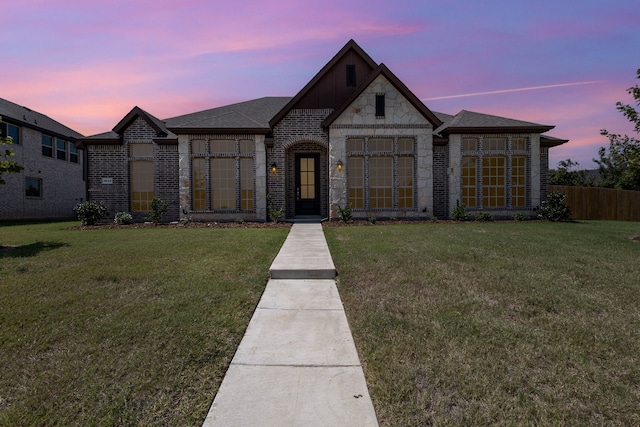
(354, 135)
(52, 181)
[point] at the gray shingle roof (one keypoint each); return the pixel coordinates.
(24, 116)
(254, 114)
(472, 121)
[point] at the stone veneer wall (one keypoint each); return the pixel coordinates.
(184, 181)
(440, 181)
(401, 119)
(301, 130)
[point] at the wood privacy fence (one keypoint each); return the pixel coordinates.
(601, 203)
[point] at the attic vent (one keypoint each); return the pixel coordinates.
(351, 75)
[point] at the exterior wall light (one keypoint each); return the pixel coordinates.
(339, 164)
(274, 168)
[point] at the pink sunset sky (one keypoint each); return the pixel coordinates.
(563, 63)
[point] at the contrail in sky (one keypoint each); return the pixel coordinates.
(521, 89)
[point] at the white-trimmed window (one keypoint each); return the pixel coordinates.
(47, 145)
(7, 130)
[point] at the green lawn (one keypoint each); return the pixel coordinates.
(123, 327)
(508, 323)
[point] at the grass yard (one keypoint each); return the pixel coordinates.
(476, 324)
(123, 327)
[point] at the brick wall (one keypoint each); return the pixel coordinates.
(544, 173)
(108, 176)
(108, 172)
(62, 181)
(440, 181)
(166, 178)
(298, 131)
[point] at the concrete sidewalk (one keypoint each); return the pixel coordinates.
(297, 364)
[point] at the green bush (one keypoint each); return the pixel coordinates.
(521, 216)
(484, 216)
(554, 208)
(89, 212)
(275, 214)
(345, 213)
(460, 212)
(158, 209)
(123, 218)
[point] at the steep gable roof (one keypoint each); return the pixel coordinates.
(472, 122)
(244, 117)
(163, 135)
(156, 124)
(397, 83)
(23, 116)
(351, 52)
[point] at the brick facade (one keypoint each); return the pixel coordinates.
(62, 181)
(440, 181)
(300, 131)
(108, 174)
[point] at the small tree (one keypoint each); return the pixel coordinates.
(619, 166)
(7, 165)
(460, 212)
(158, 209)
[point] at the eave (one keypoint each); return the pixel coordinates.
(497, 129)
(221, 131)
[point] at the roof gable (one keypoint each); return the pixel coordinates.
(401, 87)
(328, 88)
(156, 124)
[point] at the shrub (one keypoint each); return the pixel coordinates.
(521, 216)
(345, 213)
(274, 213)
(484, 216)
(89, 212)
(460, 212)
(123, 218)
(372, 219)
(554, 208)
(158, 209)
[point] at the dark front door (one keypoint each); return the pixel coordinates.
(307, 184)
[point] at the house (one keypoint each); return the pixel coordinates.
(355, 135)
(52, 181)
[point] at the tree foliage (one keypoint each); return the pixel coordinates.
(619, 165)
(7, 164)
(568, 174)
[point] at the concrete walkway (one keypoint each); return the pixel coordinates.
(297, 364)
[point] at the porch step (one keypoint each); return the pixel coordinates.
(304, 255)
(305, 219)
